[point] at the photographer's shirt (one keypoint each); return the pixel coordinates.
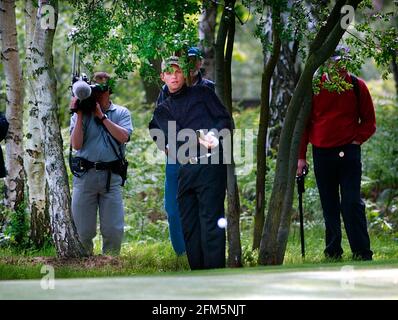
(96, 141)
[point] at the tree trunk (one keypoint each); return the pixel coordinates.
(224, 92)
(284, 227)
(394, 68)
(44, 86)
(233, 230)
(34, 159)
(321, 48)
(152, 88)
(207, 28)
(268, 71)
(284, 81)
(14, 106)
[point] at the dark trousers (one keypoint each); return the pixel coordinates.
(338, 175)
(201, 195)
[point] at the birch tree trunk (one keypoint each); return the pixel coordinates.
(207, 29)
(14, 106)
(44, 87)
(284, 81)
(34, 158)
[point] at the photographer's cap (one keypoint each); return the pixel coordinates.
(101, 77)
(173, 60)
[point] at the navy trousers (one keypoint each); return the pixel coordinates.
(338, 174)
(201, 195)
(171, 207)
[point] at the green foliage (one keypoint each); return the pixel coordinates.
(17, 228)
(380, 178)
(335, 80)
(130, 34)
(375, 35)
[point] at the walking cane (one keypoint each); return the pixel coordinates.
(300, 189)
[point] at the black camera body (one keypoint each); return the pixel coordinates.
(86, 93)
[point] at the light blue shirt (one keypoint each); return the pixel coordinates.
(96, 141)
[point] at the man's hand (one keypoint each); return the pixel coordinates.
(73, 105)
(209, 141)
(98, 111)
(300, 166)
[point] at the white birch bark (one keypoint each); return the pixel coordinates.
(34, 158)
(14, 105)
(44, 85)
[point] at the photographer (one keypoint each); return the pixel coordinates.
(99, 135)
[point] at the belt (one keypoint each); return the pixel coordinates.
(100, 165)
(195, 160)
(109, 166)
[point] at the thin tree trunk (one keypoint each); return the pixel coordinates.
(284, 81)
(394, 68)
(14, 106)
(284, 228)
(220, 53)
(224, 92)
(268, 71)
(228, 63)
(44, 85)
(280, 203)
(207, 26)
(233, 229)
(152, 88)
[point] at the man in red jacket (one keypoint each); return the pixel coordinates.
(339, 123)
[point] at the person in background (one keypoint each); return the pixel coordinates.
(171, 177)
(99, 137)
(338, 125)
(201, 181)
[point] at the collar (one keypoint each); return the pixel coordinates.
(112, 107)
(199, 79)
(179, 92)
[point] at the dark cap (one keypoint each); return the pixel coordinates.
(195, 52)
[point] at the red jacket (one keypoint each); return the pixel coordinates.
(337, 119)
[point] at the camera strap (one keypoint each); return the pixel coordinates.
(108, 134)
(119, 155)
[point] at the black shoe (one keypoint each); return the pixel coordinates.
(336, 257)
(360, 257)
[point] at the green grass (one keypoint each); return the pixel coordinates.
(159, 259)
(147, 250)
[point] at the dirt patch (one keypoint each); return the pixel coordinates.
(92, 262)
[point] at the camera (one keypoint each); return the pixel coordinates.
(86, 92)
